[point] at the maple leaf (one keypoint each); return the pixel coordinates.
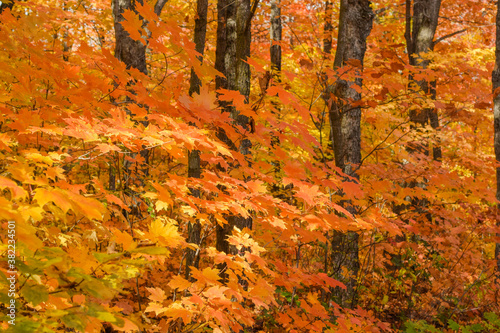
(165, 231)
(133, 25)
(308, 194)
(125, 240)
(176, 310)
(17, 191)
(177, 282)
(157, 294)
(156, 308)
(208, 275)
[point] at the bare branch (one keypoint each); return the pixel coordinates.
(449, 35)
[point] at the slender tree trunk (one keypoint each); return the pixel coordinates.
(234, 42)
(194, 168)
(200, 32)
(419, 34)
(355, 24)
(496, 112)
(131, 52)
(276, 28)
(327, 51)
(275, 52)
(220, 48)
(328, 29)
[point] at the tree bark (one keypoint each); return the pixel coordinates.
(419, 34)
(233, 46)
(194, 167)
(356, 18)
(496, 111)
(328, 28)
(200, 32)
(276, 29)
(275, 53)
(220, 48)
(131, 52)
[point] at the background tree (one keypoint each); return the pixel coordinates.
(236, 49)
(496, 114)
(421, 24)
(355, 24)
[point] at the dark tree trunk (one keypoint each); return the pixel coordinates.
(276, 39)
(194, 167)
(220, 48)
(200, 31)
(496, 112)
(275, 52)
(131, 52)
(233, 44)
(327, 50)
(355, 24)
(328, 29)
(419, 34)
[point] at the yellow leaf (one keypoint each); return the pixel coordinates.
(156, 308)
(43, 196)
(157, 294)
(177, 311)
(125, 240)
(166, 233)
(161, 205)
(17, 191)
(208, 275)
(178, 282)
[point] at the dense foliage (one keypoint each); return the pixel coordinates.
(94, 172)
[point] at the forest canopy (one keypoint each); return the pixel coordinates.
(249, 166)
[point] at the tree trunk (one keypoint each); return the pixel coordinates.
(220, 48)
(233, 44)
(496, 112)
(194, 168)
(276, 39)
(328, 29)
(419, 34)
(355, 24)
(275, 53)
(131, 52)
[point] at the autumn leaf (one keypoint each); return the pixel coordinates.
(132, 24)
(177, 282)
(157, 294)
(308, 194)
(165, 231)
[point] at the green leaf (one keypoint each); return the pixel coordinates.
(104, 257)
(74, 321)
(492, 318)
(35, 294)
(453, 325)
(153, 250)
(477, 328)
(98, 289)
